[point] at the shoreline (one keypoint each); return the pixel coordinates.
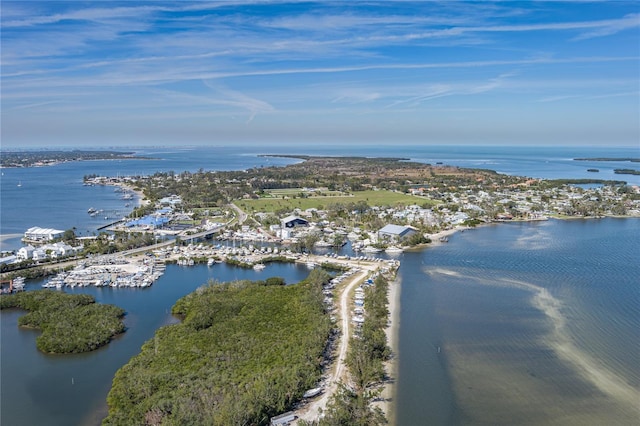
(141, 199)
(386, 401)
(435, 238)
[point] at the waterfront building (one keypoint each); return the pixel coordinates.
(395, 233)
(38, 234)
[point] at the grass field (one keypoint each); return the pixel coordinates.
(290, 192)
(372, 198)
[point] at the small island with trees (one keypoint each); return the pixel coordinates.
(627, 172)
(70, 323)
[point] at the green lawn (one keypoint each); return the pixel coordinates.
(372, 198)
(290, 192)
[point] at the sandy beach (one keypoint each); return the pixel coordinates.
(142, 200)
(391, 366)
(437, 237)
(4, 237)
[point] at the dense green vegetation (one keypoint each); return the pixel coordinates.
(26, 270)
(626, 172)
(555, 183)
(243, 353)
(335, 175)
(120, 241)
(70, 323)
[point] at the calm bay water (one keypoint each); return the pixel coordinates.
(39, 389)
(54, 197)
(536, 323)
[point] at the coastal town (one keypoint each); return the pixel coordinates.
(374, 205)
(326, 213)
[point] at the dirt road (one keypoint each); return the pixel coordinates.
(339, 374)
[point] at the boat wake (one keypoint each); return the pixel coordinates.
(443, 272)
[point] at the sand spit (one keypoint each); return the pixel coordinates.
(613, 387)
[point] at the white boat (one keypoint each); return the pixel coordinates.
(311, 265)
(393, 249)
(312, 392)
(17, 284)
(210, 262)
(259, 266)
(371, 249)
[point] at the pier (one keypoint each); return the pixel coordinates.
(108, 225)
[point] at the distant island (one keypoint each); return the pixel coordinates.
(626, 172)
(50, 158)
(616, 171)
(633, 160)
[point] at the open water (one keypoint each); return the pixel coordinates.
(536, 323)
(523, 323)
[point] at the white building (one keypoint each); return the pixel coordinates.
(61, 249)
(39, 254)
(25, 253)
(53, 251)
(8, 259)
(42, 234)
(171, 200)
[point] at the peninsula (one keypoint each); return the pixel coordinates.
(49, 158)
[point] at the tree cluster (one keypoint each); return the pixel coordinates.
(70, 323)
(243, 353)
(120, 241)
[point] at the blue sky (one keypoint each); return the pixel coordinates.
(363, 72)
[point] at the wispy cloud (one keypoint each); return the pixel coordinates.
(288, 58)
